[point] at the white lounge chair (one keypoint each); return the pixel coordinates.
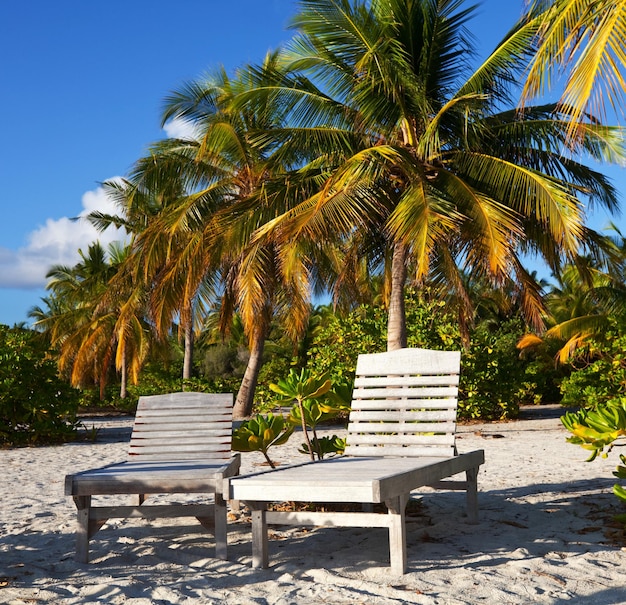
(401, 436)
(180, 443)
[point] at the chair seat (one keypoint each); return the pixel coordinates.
(150, 477)
(346, 479)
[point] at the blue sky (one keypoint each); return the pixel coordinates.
(83, 84)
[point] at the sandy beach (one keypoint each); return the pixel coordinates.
(545, 535)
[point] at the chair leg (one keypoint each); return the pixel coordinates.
(472, 495)
(83, 504)
(221, 529)
(397, 533)
(260, 557)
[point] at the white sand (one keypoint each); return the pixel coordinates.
(543, 537)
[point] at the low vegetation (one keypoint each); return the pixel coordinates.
(36, 406)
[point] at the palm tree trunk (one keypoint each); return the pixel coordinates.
(245, 396)
(396, 318)
(123, 379)
(188, 359)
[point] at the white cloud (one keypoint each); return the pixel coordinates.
(180, 129)
(57, 243)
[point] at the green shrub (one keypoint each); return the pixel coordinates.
(36, 406)
(260, 433)
(495, 380)
(598, 375)
(599, 431)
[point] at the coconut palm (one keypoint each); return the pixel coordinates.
(582, 43)
(201, 237)
(416, 148)
(586, 301)
(94, 326)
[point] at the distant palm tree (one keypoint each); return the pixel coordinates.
(587, 300)
(92, 325)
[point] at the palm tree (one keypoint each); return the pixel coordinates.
(201, 237)
(417, 148)
(586, 301)
(92, 325)
(582, 42)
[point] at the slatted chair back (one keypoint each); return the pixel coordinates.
(404, 403)
(182, 426)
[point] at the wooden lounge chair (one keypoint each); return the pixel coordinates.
(401, 436)
(180, 444)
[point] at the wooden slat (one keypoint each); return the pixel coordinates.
(165, 457)
(393, 450)
(191, 438)
(173, 449)
(408, 393)
(412, 428)
(400, 439)
(406, 380)
(183, 399)
(199, 423)
(182, 415)
(328, 519)
(182, 426)
(423, 428)
(416, 418)
(397, 362)
(405, 404)
(154, 511)
(428, 416)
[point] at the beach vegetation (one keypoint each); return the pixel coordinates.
(495, 379)
(376, 164)
(260, 433)
(580, 47)
(313, 401)
(599, 431)
(196, 252)
(95, 319)
(36, 405)
(427, 158)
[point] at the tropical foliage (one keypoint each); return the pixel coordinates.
(375, 163)
(495, 381)
(582, 42)
(599, 431)
(426, 158)
(36, 406)
(313, 402)
(260, 433)
(96, 319)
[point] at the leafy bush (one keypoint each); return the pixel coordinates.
(36, 406)
(312, 402)
(494, 379)
(599, 375)
(335, 347)
(598, 431)
(155, 379)
(261, 433)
